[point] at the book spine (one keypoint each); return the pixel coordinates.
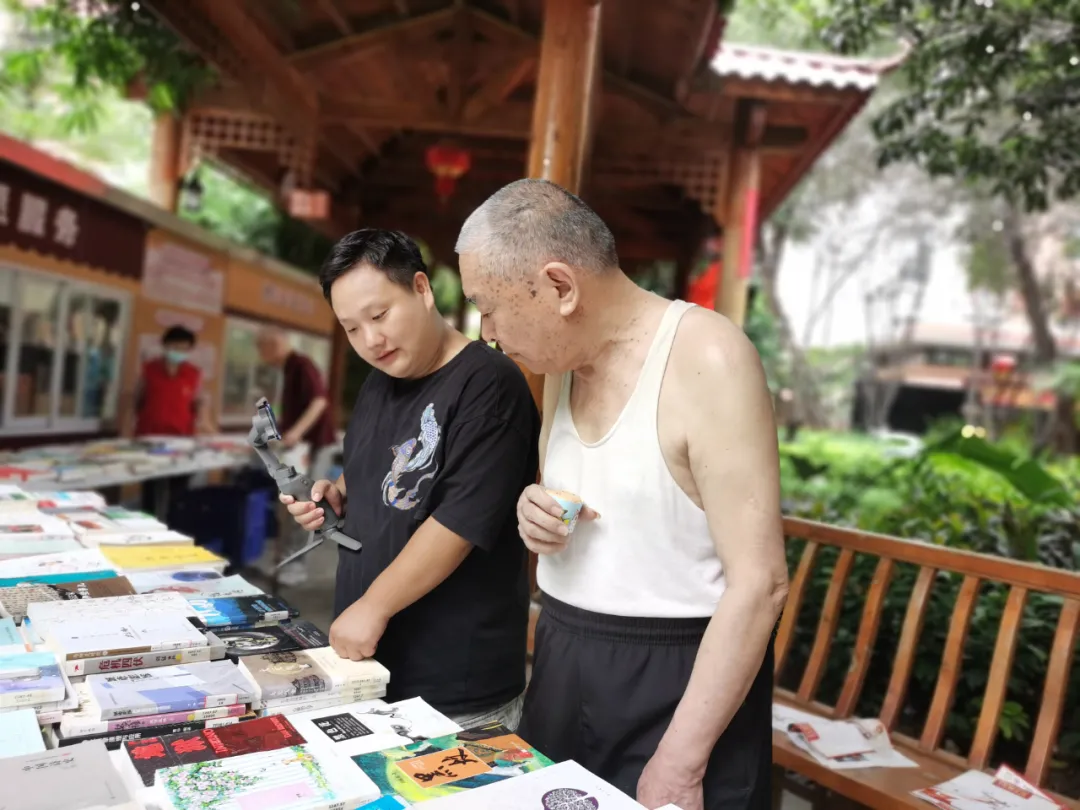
(304, 703)
(75, 727)
(94, 666)
(30, 698)
(163, 646)
(243, 625)
(210, 702)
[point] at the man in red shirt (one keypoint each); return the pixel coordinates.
(169, 402)
(305, 416)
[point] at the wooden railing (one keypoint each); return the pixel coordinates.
(1021, 579)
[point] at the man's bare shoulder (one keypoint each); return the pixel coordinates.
(709, 350)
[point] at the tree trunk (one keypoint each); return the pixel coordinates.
(807, 397)
(1063, 436)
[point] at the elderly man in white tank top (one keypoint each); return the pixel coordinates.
(653, 661)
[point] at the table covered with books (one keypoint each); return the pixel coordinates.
(136, 674)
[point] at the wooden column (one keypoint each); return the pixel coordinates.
(165, 161)
(566, 97)
(335, 384)
(738, 214)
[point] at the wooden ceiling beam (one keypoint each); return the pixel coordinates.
(330, 9)
(706, 25)
(499, 85)
(709, 83)
(461, 57)
(368, 39)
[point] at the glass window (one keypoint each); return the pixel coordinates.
(101, 378)
(39, 302)
(71, 373)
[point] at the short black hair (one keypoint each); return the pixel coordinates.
(178, 334)
(390, 252)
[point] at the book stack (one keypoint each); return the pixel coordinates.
(318, 678)
(113, 526)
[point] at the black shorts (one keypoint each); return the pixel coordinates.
(604, 689)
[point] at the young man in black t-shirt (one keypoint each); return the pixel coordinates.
(441, 442)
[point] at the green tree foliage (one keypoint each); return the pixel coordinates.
(991, 89)
(100, 44)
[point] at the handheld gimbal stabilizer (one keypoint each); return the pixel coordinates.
(290, 482)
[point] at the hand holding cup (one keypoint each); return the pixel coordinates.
(546, 518)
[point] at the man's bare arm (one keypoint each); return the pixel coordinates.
(735, 466)
(432, 554)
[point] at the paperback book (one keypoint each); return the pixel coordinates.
(20, 734)
(77, 639)
(242, 612)
(249, 737)
(199, 584)
(361, 728)
(309, 672)
(30, 679)
(167, 557)
(87, 564)
(294, 778)
(78, 778)
(87, 719)
(170, 689)
(295, 635)
(453, 764)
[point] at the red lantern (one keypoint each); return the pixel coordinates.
(1002, 365)
(448, 163)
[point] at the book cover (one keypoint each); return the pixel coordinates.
(30, 679)
(242, 612)
(296, 635)
(170, 689)
(44, 614)
(32, 526)
(195, 583)
(143, 660)
(163, 557)
(360, 728)
(81, 776)
(322, 700)
(95, 588)
(87, 564)
(249, 737)
(308, 672)
(294, 778)
(20, 734)
(53, 502)
(975, 790)
(95, 637)
(11, 640)
(115, 739)
(455, 763)
(566, 786)
(87, 719)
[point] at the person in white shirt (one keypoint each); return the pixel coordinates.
(653, 659)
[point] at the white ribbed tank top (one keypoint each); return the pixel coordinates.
(650, 553)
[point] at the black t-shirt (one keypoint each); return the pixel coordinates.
(458, 445)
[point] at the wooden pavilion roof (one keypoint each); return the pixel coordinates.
(372, 83)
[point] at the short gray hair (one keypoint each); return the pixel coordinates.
(531, 222)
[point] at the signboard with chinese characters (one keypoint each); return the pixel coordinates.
(180, 273)
(49, 219)
(278, 297)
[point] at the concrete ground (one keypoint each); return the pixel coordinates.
(315, 601)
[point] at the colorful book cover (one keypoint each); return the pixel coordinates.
(199, 584)
(11, 637)
(251, 736)
(30, 679)
(294, 778)
(296, 635)
(456, 763)
(150, 558)
(204, 685)
(242, 612)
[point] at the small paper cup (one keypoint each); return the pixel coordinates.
(571, 505)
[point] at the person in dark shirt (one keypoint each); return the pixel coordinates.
(441, 441)
(305, 416)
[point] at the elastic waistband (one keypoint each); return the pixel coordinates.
(633, 629)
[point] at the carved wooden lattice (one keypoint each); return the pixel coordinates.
(206, 132)
(700, 175)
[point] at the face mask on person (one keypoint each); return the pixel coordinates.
(175, 356)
